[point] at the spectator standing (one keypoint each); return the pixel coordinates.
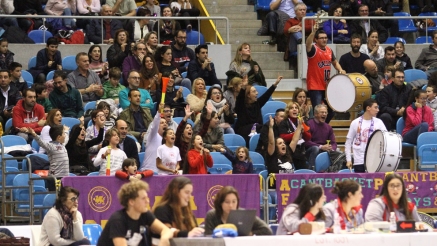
(241, 162)
(352, 62)
(198, 157)
(110, 27)
(116, 156)
(168, 157)
(54, 118)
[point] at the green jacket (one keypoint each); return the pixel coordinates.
(127, 116)
(110, 91)
(69, 103)
(45, 102)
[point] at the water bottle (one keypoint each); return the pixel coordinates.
(393, 226)
(214, 7)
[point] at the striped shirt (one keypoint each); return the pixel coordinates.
(58, 157)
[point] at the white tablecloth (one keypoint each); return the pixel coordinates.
(394, 239)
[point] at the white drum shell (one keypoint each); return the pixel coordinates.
(383, 152)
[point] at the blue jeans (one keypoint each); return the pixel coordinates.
(412, 135)
(292, 46)
(186, 83)
(317, 97)
(8, 21)
(311, 154)
(68, 22)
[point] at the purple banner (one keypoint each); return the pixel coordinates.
(421, 186)
(98, 194)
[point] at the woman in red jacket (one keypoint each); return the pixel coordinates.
(418, 117)
(198, 157)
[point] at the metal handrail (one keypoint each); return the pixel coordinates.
(198, 18)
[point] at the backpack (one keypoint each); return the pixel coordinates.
(338, 161)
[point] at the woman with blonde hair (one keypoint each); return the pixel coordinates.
(232, 91)
(244, 67)
(197, 98)
(174, 209)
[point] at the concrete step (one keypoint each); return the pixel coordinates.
(208, 3)
(270, 61)
(242, 31)
(240, 24)
(226, 9)
(256, 48)
(253, 39)
(248, 16)
(274, 73)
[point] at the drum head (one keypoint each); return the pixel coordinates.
(374, 152)
(340, 93)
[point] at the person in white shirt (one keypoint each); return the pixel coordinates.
(154, 140)
(115, 155)
(168, 156)
(359, 134)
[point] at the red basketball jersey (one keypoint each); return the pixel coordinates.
(319, 69)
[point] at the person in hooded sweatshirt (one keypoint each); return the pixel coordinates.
(65, 98)
(77, 147)
(27, 113)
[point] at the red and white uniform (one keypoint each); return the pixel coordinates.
(319, 68)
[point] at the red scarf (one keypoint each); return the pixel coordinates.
(386, 215)
(344, 216)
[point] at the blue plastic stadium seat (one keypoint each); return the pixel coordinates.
(39, 36)
(69, 63)
(92, 232)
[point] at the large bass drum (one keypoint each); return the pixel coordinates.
(347, 92)
(383, 152)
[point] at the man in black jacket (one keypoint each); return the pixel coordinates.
(13, 95)
(181, 53)
(392, 100)
(203, 67)
(127, 144)
(363, 26)
(94, 31)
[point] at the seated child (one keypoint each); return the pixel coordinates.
(388, 74)
(112, 87)
(431, 101)
(56, 151)
(42, 97)
(6, 56)
(129, 171)
(16, 78)
(241, 162)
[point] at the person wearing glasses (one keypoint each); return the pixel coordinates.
(392, 100)
(181, 53)
(359, 133)
(418, 117)
(393, 198)
(133, 80)
(320, 58)
(63, 223)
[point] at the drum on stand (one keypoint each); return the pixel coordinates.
(347, 92)
(383, 152)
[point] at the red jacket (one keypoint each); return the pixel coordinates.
(123, 174)
(415, 116)
(22, 118)
(294, 22)
(196, 162)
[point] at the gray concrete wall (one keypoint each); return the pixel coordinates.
(220, 54)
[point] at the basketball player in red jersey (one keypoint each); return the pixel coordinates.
(320, 58)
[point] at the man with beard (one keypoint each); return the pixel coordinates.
(27, 113)
(352, 62)
(65, 98)
(263, 141)
(182, 55)
(389, 59)
(321, 133)
(137, 118)
(372, 75)
(203, 67)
